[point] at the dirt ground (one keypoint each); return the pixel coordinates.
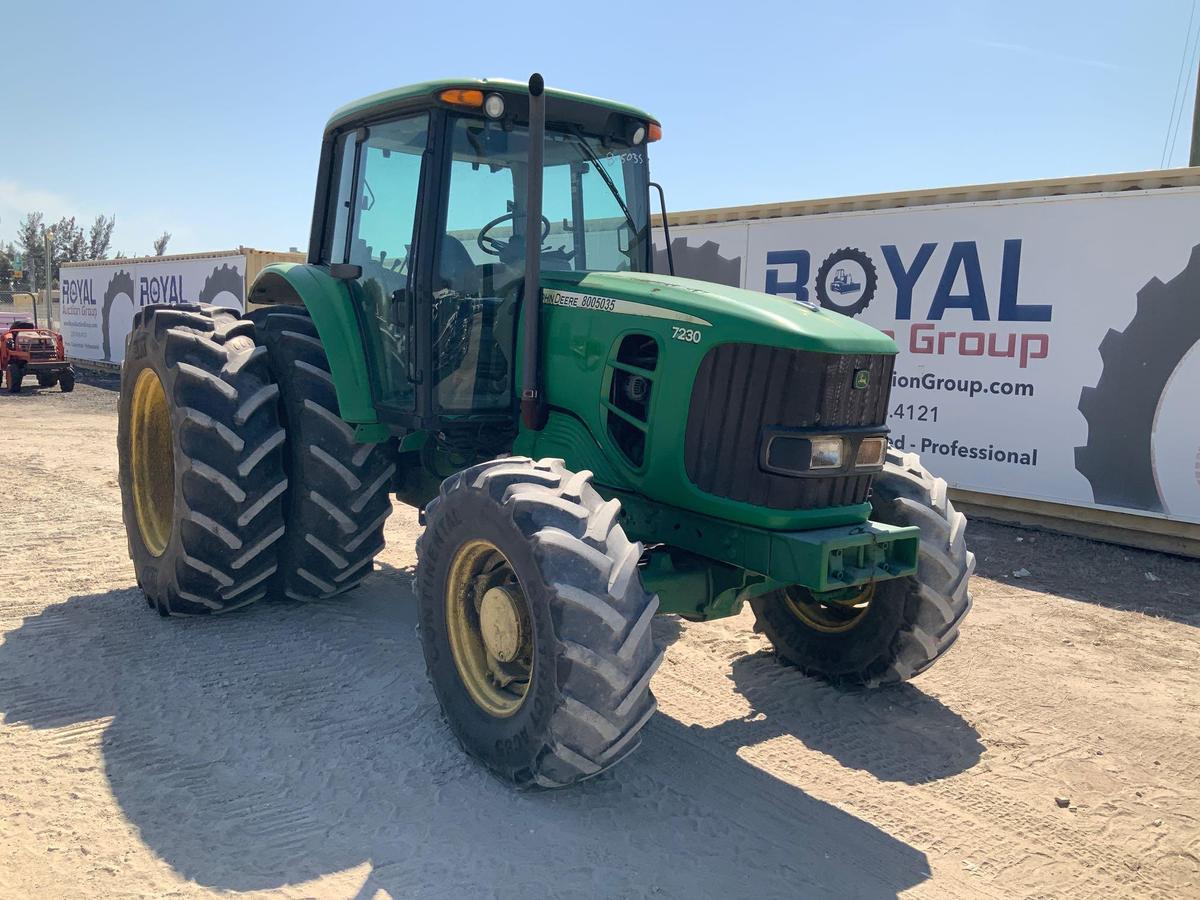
(298, 750)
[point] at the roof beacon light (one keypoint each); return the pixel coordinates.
(462, 97)
(655, 131)
(494, 106)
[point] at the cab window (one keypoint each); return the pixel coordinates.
(381, 235)
(595, 216)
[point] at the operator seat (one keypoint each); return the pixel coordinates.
(456, 269)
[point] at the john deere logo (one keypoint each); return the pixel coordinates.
(862, 379)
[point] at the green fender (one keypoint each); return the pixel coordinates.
(328, 301)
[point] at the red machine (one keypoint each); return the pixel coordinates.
(27, 350)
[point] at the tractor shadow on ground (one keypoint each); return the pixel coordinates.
(897, 733)
(285, 742)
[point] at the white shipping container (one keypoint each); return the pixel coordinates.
(99, 298)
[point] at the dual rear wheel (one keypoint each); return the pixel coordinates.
(238, 478)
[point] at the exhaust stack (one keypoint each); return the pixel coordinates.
(533, 407)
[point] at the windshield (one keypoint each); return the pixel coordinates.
(607, 230)
(594, 202)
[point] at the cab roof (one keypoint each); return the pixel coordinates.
(428, 90)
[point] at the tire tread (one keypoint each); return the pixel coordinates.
(336, 498)
(601, 611)
(227, 464)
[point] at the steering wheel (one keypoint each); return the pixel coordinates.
(496, 247)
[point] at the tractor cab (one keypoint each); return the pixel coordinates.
(423, 210)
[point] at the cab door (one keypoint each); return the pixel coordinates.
(476, 283)
(375, 204)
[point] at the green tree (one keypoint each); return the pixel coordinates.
(6, 266)
(100, 237)
(29, 241)
(68, 244)
(160, 245)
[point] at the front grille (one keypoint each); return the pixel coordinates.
(743, 388)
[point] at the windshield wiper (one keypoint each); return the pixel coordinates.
(582, 141)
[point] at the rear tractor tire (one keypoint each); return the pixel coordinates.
(14, 376)
(534, 623)
(201, 468)
(47, 381)
(892, 630)
(66, 382)
(340, 496)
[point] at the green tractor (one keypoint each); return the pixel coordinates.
(479, 332)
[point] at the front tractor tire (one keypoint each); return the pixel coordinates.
(339, 496)
(534, 623)
(201, 469)
(893, 630)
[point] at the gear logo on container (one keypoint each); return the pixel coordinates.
(846, 281)
(704, 263)
(1143, 447)
(116, 314)
(224, 287)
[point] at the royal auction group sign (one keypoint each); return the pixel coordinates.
(98, 301)
(1049, 347)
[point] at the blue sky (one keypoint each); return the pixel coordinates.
(204, 119)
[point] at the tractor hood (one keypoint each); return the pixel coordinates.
(721, 313)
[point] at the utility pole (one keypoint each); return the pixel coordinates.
(49, 239)
(33, 287)
(1194, 155)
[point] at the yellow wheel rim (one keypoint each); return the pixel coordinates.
(152, 461)
(489, 626)
(829, 616)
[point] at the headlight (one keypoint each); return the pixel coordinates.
(786, 452)
(494, 106)
(826, 453)
(870, 452)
